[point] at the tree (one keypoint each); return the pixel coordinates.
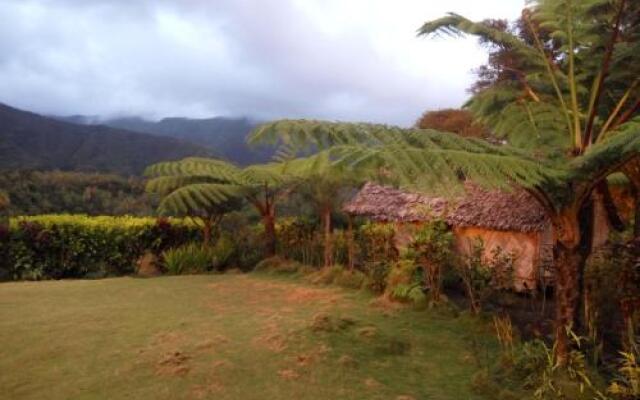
(216, 187)
(453, 120)
(324, 184)
(561, 81)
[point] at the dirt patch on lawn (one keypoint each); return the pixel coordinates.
(307, 295)
(173, 364)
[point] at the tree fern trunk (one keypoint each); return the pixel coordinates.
(328, 245)
(207, 229)
(567, 296)
(269, 222)
(613, 218)
(568, 262)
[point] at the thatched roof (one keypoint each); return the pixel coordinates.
(384, 203)
(496, 210)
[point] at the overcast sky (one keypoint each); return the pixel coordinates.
(329, 59)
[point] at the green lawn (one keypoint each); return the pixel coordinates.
(224, 337)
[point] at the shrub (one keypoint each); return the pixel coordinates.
(432, 249)
(247, 238)
(222, 252)
(351, 279)
(328, 275)
(612, 293)
(483, 278)
(77, 246)
(297, 240)
(278, 265)
(377, 273)
(188, 259)
(626, 385)
(376, 242)
(404, 283)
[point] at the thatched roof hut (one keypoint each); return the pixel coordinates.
(513, 222)
(496, 210)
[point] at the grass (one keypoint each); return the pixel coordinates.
(224, 337)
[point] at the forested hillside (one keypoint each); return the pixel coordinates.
(225, 137)
(50, 192)
(28, 140)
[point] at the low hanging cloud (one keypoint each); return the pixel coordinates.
(328, 59)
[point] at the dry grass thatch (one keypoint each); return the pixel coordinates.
(497, 210)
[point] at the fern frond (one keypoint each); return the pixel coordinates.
(202, 196)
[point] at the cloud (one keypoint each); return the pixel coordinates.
(330, 59)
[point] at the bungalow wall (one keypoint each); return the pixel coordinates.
(525, 247)
(530, 249)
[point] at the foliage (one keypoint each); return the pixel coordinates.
(412, 158)
(432, 250)
(52, 192)
(76, 246)
(548, 73)
(626, 385)
(405, 282)
(189, 258)
(484, 276)
(247, 238)
(195, 258)
(452, 120)
(376, 242)
(279, 266)
(351, 279)
(377, 273)
(210, 187)
(612, 293)
(297, 240)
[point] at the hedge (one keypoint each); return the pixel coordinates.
(79, 246)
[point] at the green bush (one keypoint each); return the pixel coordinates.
(189, 259)
(375, 242)
(328, 275)
(612, 294)
(78, 246)
(431, 248)
(223, 252)
(351, 279)
(298, 240)
(278, 265)
(405, 283)
(377, 273)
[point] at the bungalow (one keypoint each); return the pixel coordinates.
(513, 221)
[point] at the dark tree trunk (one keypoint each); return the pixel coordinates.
(632, 171)
(568, 262)
(328, 245)
(636, 217)
(269, 222)
(351, 244)
(610, 207)
(567, 295)
(207, 231)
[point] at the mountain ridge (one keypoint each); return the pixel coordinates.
(32, 141)
(225, 136)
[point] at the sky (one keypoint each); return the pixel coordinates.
(350, 60)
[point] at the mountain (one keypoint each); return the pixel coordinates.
(29, 140)
(224, 136)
